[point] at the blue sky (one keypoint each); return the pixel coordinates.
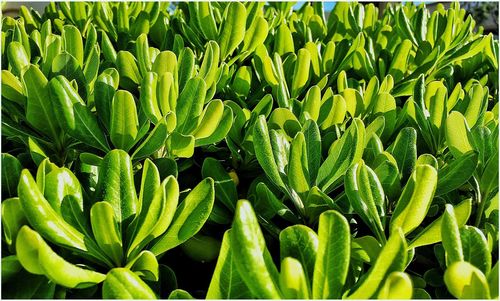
(328, 5)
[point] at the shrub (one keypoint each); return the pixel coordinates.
(289, 154)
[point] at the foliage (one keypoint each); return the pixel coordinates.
(287, 154)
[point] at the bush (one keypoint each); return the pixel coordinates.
(285, 154)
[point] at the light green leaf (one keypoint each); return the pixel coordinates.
(332, 260)
(432, 233)
(252, 259)
(415, 199)
(189, 217)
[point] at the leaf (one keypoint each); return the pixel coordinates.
(11, 172)
(451, 236)
(465, 281)
(415, 199)
(475, 248)
(121, 283)
(189, 217)
(145, 266)
(301, 243)
(367, 197)
(392, 258)
(457, 134)
(74, 115)
(332, 263)
(226, 281)
(12, 220)
(432, 233)
(157, 212)
(38, 258)
(40, 113)
(313, 149)
(365, 248)
(298, 167)
(73, 44)
(106, 231)
(148, 96)
(221, 131)
(179, 294)
(18, 58)
(181, 145)
(208, 68)
(156, 138)
(293, 282)
(209, 119)
(404, 150)
(12, 89)
(343, 154)
(116, 186)
(124, 120)
(456, 174)
(398, 285)
(252, 259)
(190, 105)
(232, 31)
(301, 72)
(225, 188)
(264, 151)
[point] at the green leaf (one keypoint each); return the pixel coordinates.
(181, 145)
(37, 257)
(367, 197)
(251, 257)
(232, 32)
(264, 151)
(190, 105)
(301, 72)
(18, 58)
(313, 149)
(332, 260)
(208, 68)
(475, 248)
(456, 174)
(12, 220)
(225, 188)
(457, 133)
(122, 283)
(432, 233)
(392, 258)
(72, 42)
(74, 115)
(189, 217)
(156, 138)
(179, 294)
(124, 120)
(148, 98)
(106, 231)
(221, 131)
(464, 281)
(404, 150)
(11, 172)
(301, 243)
(145, 266)
(451, 236)
(298, 167)
(40, 112)
(226, 281)
(116, 186)
(126, 65)
(12, 89)
(293, 282)
(157, 210)
(343, 154)
(415, 199)
(398, 285)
